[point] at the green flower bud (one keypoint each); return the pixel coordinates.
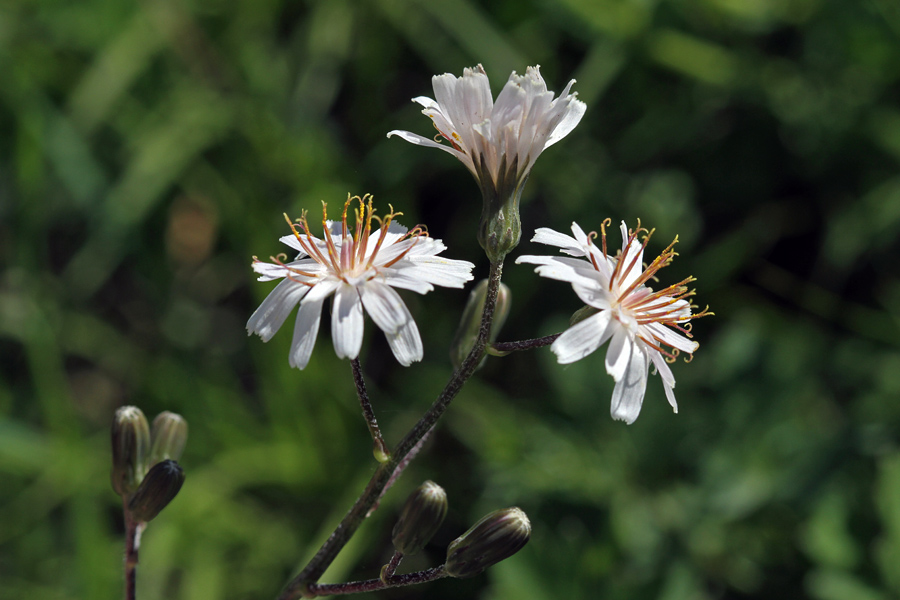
(500, 229)
(495, 537)
(130, 449)
(159, 487)
(470, 323)
(169, 435)
(420, 519)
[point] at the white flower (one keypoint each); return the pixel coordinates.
(360, 268)
(497, 141)
(639, 322)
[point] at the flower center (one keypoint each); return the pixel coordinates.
(349, 255)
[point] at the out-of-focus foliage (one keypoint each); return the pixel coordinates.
(148, 149)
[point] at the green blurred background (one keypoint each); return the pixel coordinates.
(148, 150)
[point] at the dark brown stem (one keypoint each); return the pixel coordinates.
(371, 585)
(303, 582)
(400, 468)
(382, 454)
(387, 573)
(504, 348)
(133, 530)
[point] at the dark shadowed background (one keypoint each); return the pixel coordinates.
(148, 149)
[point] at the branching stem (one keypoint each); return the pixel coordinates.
(371, 585)
(504, 348)
(304, 584)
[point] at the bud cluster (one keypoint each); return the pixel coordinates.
(144, 468)
(495, 537)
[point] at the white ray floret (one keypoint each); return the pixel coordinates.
(638, 323)
(359, 268)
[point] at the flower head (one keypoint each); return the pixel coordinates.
(490, 138)
(360, 268)
(498, 141)
(643, 326)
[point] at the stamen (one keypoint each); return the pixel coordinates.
(411, 246)
(360, 215)
(278, 261)
(385, 224)
(310, 249)
(658, 346)
(663, 260)
(603, 225)
(329, 243)
(617, 271)
(452, 138)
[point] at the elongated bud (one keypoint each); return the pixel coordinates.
(159, 487)
(500, 228)
(495, 537)
(470, 323)
(130, 449)
(168, 435)
(420, 519)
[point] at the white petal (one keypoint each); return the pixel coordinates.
(665, 373)
(672, 338)
(437, 271)
(563, 268)
(347, 322)
(595, 294)
(389, 312)
(306, 329)
(573, 112)
(628, 395)
(269, 271)
(618, 356)
(271, 314)
(581, 339)
(419, 140)
(405, 279)
(566, 243)
(631, 259)
(293, 242)
(426, 246)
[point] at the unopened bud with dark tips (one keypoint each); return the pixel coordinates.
(495, 537)
(130, 449)
(159, 487)
(470, 323)
(420, 519)
(168, 435)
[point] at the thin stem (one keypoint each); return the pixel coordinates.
(400, 468)
(133, 530)
(504, 348)
(371, 585)
(387, 573)
(301, 584)
(382, 454)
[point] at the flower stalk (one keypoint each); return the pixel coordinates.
(133, 530)
(372, 585)
(380, 448)
(304, 584)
